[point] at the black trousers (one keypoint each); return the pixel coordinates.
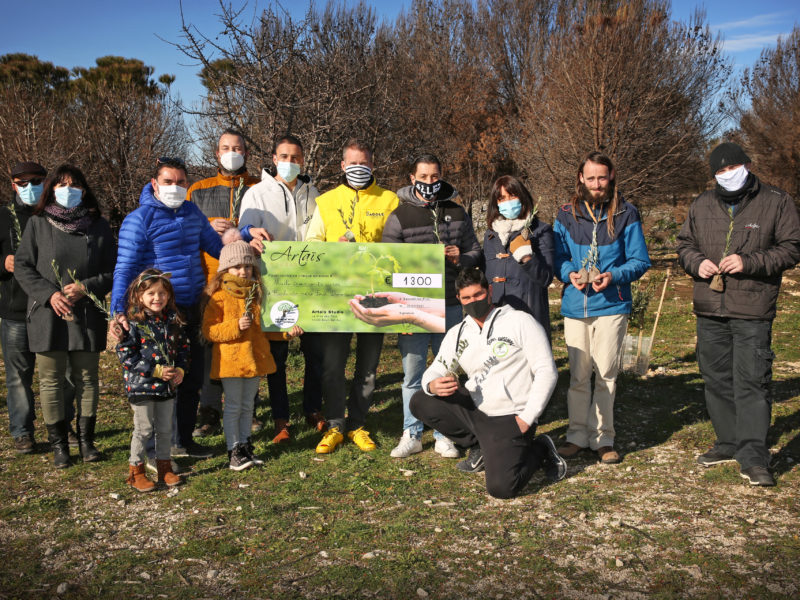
(735, 360)
(509, 455)
(189, 390)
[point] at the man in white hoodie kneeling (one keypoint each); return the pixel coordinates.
(511, 373)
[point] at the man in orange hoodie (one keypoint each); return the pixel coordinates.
(219, 198)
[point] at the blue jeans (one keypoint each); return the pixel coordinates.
(414, 352)
(19, 376)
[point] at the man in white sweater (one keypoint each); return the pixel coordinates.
(280, 208)
(511, 374)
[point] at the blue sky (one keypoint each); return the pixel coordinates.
(76, 33)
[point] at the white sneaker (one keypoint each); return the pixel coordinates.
(446, 448)
(408, 445)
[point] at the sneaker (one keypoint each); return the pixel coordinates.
(714, 457)
(206, 429)
(360, 437)
(329, 441)
(195, 450)
(446, 448)
(758, 476)
(251, 452)
(316, 420)
(554, 465)
(408, 445)
(24, 444)
(608, 456)
(568, 450)
(282, 435)
(150, 465)
(208, 422)
(473, 463)
(238, 460)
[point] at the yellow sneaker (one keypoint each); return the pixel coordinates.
(329, 441)
(361, 439)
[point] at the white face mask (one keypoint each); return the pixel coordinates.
(732, 180)
(231, 161)
(171, 196)
(288, 171)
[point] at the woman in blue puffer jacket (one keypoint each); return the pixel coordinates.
(168, 233)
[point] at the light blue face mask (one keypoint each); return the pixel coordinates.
(68, 197)
(288, 171)
(30, 194)
(510, 209)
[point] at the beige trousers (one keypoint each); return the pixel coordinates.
(593, 344)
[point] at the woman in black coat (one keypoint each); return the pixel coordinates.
(67, 237)
(519, 251)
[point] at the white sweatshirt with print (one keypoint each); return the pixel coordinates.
(509, 363)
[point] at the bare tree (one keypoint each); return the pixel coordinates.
(770, 126)
(620, 77)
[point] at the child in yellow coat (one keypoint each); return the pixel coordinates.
(240, 354)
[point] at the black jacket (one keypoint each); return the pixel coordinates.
(412, 222)
(525, 285)
(13, 300)
(92, 256)
(766, 234)
(139, 353)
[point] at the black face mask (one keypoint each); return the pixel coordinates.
(428, 190)
(478, 308)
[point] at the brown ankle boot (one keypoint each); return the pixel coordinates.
(165, 474)
(138, 480)
(282, 435)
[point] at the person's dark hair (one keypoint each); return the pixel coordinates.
(237, 133)
(169, 162)
(60, 175)
(469, 277)
(428, 159)
(287, 139)
(146, 279)
(613, 204)
(356, 144)
(513, 187)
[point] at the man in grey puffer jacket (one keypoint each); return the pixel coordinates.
(429, 213)
(736, 242)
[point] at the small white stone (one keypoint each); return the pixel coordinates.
(114, 496)
(406, 472)
(323, 554)
(62, 588)
(476, 551)
(751, 520)
(244, 485)
(212, 573)
(302, 475)
(582, 516)
(121, 502)
(195, 511)
(619, 563)
(541, 517)
(368, 555)
(628, 469)
(429, 502)
(238, 508)
(422, 593)
(437, 529)
(144, 575)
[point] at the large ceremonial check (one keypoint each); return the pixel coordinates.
(348, 286)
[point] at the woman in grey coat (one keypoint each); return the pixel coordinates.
(67, 250)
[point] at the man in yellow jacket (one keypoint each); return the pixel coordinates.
(219, 198)
(355, 211)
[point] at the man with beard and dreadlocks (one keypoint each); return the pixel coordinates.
(736, 242)
(599, 250)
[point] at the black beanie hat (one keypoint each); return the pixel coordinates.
(726, 154)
